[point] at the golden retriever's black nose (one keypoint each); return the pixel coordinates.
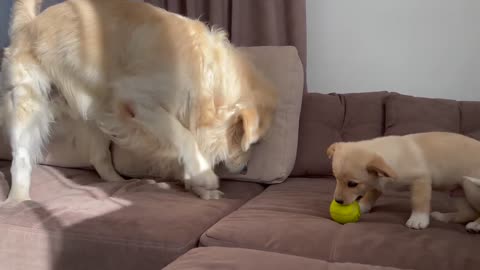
(244, 170)
(339, 201)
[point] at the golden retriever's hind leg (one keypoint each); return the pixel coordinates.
(101, 157)
(367, 202)
(421, 192)
(28, 117)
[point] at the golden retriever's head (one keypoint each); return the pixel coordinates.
(251, 125)
(242, 112)
(357, 170)
(252, 121)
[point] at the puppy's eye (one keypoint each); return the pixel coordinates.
(352, 184)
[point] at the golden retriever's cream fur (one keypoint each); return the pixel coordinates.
(153, 81)
(419, 162)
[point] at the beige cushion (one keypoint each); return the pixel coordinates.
(60, 151)
(273, 159)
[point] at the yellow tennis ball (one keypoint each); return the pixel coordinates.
(345, 213)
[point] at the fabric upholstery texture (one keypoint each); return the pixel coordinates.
(407, 114)
(76, 221)
(293, 218)
(214, 258)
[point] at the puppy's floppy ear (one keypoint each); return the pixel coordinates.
(331, 150)
(379, 167)
(250, 122)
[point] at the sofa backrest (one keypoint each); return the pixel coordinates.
(326, 119)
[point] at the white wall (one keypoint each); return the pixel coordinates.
(419, 47)
(5, 6)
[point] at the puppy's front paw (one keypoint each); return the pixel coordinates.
(418, 221)
(473, 227)
(365, 207)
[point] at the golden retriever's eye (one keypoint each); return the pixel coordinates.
(352, 184)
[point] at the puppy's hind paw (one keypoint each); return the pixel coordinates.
(473, 227)
(443, 217)
(418, 221)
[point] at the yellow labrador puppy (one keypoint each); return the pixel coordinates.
(418, 162)
(152, 81)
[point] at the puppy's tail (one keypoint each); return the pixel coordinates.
(23, 12)
(476, 181)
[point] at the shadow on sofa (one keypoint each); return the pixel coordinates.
(79, 222)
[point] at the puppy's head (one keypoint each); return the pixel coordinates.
(357, 170)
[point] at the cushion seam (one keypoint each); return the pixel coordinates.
(85, 237)
(224, 243)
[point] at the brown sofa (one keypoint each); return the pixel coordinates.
(77, 221)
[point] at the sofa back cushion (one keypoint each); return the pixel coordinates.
(326, 119)
(470, 118)
(407, 114)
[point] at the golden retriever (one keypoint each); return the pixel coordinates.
(420, 162)
(150, 80)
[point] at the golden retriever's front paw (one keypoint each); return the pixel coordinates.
(473, 227)
(418, 221)
(207, 179)
(13, 201)
(206, 194)
(212, 195)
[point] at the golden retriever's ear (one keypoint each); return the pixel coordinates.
(331, 150)
(379, 167)
(251, 121)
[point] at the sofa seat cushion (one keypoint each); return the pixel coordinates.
(215, 258)
(77, 221)
(293, 218)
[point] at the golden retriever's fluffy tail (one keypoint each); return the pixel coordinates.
(23, 12)
(476, 181)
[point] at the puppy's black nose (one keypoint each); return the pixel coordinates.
(339, 201)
